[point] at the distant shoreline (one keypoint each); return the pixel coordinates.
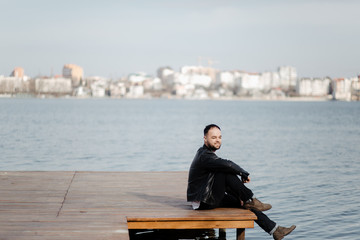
(284, 99)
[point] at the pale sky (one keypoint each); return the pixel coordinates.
(114, 38)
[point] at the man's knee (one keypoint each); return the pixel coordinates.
(233, 179)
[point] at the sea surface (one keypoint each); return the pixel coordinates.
(303, 157)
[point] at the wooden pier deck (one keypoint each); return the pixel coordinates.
(102, 205)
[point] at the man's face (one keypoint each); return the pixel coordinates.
(213, 139)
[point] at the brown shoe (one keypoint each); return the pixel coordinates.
(257, 205)
(281, 232)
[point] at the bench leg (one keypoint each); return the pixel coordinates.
(222, 234)
(240, 234)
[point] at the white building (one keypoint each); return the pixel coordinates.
(13, 85)
(251, 81)
(181, 79)
(166, 74)
(275, 80)
(135, 78)
(194, 79)
(288, 76)
(200, 80)
(156, 84)
(270, 80)
(82, 92)
(355, 88)
(257, 81)
(320, 86)
(227, 79)
(342, 89)
(304, 87)
(135, 91)
(53, 85)
(98, 89)
(200, 70)
(316, 87)
(117, 89)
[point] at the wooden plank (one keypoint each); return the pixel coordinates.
(190, 224)
(221, 214)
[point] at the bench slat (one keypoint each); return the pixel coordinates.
(190, 224)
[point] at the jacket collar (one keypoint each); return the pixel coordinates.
(206, 147)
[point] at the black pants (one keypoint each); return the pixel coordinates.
(228, 190)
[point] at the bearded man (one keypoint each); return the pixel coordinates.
(216, 182)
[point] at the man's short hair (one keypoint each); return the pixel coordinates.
(210, 126)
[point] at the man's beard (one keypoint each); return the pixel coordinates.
(213, 148)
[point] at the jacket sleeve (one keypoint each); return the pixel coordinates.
(213, 163)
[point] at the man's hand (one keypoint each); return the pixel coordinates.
(245, 180)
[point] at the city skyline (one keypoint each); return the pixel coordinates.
(118, 38)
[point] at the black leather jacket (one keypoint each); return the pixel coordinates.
(201, 174)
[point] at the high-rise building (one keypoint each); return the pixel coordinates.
(288, 76)
(17, 72)
(74, 72)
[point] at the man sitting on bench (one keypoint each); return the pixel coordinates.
(213, 182)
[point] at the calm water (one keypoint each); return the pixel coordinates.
(304, 157)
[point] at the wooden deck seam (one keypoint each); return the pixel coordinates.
(66, 193)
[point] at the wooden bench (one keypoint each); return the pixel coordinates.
(221, 218)
(103, 205)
